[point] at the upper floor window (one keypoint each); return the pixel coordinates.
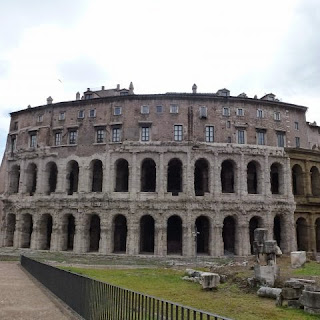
(100, 135)
(73, 137)
(145, 133)
(277, 116)
(280, 139)
(81, 114)
(209, 133)
(261, 137)
(40, 118)
(259, 113)
(116, 134)
(229, 140)
(15, 125)
(13, 143)
(88, 96)
(296, 125)
(228, 124)
(174, 108)
(159, 109)
(145, 109)
(226, 111)
(33, 140)
(241, 136)
(92, 113)
(203, 112)
(297, 142)
(240, 112)
(178, 132)
(58, 138)
(62, 115)
(117, 111)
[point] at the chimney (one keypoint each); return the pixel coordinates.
(102, 88)
(49, 100)
(118, 87)
(131, 88)
(78, 95)
(194, 88)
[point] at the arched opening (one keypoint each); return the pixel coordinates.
(174, 181)
(227, 176)
(277, 229)
(254, 223)
(174, 235)
(122, 176)
(297, 180)
(96, 170)
(94, 232)
(302, 234)
(318, 235)
(72, 177)
(201, 177)
(31, 179)
(253, 178)
(51, 174)
(120, 234)
(202, 226)
(146, 234)
(229, 235)
(276, 178)
(26, 230)
(10, 229)
(45, 232)
(148, 176)
(315, 181)
(14, 179)
(70, 232)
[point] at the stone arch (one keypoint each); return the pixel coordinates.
(202, 229)
(45, 232)
(122, 176)
(228, 175)
(120, 231)
(278, 230)
(174, 181)
(96, 175)
(276, 178)
(72, 176)
(10, 229)
(94, 232)
(174, 235)
(229, 235)
(302, 234)
(315, 181)
(147, 234)
(51, 176)
(253, 177)
(148, 175)
(26, 230)
(297, 180)
(14, 179)
(31, 178)
(68, 230)
(317, 226)
(254, 223)
(201, 177)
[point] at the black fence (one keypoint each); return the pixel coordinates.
(93, 299)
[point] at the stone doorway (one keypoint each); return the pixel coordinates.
(174, 235)
(202, 226)
(302, 234)
(120, 234)
(94, 233)
(26, 230)
(228, 235)
(147, 234)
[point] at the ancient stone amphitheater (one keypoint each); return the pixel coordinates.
(162, 174)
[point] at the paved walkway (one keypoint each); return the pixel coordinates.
(21, 298)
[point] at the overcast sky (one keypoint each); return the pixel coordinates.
(250, 46)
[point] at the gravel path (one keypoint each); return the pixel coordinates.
(21, 298)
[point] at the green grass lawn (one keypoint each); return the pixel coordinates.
(165, 283)
(310, 269)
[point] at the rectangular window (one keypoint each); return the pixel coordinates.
(159, 109)
(145, 109)
(73, 137)
(40, 118)
(116, 134)
(229, 139)
(240, 112)
(13, 143)
(62, 116)
(117, 111)
(178, 129)
(57, 138)
(81, 114)
(226, 111)
(280, 139)
(145, 133)
(241, 137)
(203, 112)
(174, 108)
(296, 125)
(229, 124)
(277, 116)
(100, 135)
(261, 138)
(88, 96)
(297, 142)
(92, 113)
(209, 133)
(15, 125)
(33, 140)
(259, 113)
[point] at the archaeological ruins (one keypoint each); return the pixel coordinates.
(188, 174)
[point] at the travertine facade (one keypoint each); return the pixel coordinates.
(161, 174)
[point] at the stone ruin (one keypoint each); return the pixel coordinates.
(208, 280)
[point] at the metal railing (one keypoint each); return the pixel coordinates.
(93, 299)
